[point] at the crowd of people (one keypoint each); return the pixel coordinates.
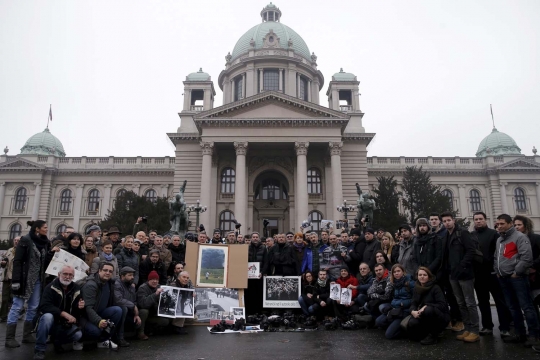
(416, 283)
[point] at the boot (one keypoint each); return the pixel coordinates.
(10, 336)
(28, 337)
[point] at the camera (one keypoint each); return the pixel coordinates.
(201, 228)
(236, 224)
(109, 327)
(266, 222)
(144, 219)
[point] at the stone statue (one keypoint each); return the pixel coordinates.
(365, 205)
(178, 212)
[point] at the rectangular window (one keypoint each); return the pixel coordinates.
(238, 87)
(271, 80)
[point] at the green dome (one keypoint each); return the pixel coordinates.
(343, 76)
(198, 76)
(283, 32)
(497, 143)
(43, 143)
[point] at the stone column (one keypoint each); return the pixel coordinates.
(504, 200)
(136, 188)
(164, 190)
(337, 187)
(464, 208)
(537, 197)
(297, 85)
(77, 206)
(2, 197)
(37, 199)
(106, 200)
(207, 151)
(301, 187)
(232, 90)
(309, 91)
(281, 80)
(240, 188)
(261, 77)
(243, 85)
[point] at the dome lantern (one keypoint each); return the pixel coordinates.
(270, 13)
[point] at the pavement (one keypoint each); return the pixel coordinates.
(199, 344)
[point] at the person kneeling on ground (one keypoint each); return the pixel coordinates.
(322, 297)
(306, 299)
(182, 281)
(393, 313)
(365, 280)
(429, 309)
(380, 292)
(60, 310)
(103, 315)
(148, 302)
(346, 281)
(126, 297)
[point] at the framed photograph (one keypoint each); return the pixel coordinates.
(254, 269)
(346, 296)
(168, 300)
(238, 312)
(281, 291)
(327, 224)
(209, 301)
(212, 266)
(335, 291)
(185, 306)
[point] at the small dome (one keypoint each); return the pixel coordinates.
(497, 143)
(43, 143)
(198, 76)
(343, 76)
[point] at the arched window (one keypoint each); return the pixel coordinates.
(20, 199)
(475, 200)
(450, 197)
(65, 200)
(313, 181)
(271, 189)
(315, 218)
(93, 200)
(61, 228)
(226, 223)
(227, 181)
(519, 197)
(121, 193)
(151, 195)
(14, 231)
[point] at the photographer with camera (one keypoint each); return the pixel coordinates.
(102, 313)
(7, 264)
(59, 312)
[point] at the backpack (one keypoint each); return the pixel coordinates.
(478, 255)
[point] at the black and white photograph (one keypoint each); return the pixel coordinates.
(281, 291)
(185, 306)
(168, 299)
(238, 312)
(209, 300)
(335, 291)
(346, 296)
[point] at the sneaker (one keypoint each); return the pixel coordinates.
(429, 340)
(532, 342)
(471, 338)
(515, 339)
(122, 343)
(462, 336)
(105, 345)
(486, 331)
(77, 346)
(505, 334)
(449, 327)
(459, 326)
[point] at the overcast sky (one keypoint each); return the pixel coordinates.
(113, 70)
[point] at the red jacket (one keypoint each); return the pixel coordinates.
(349, 280)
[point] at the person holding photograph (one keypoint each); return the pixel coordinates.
(183, 282)
(253, 294)
(147, 303)
(73, 245)
(429, 309)
(346, 281)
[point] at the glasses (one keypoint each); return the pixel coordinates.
(107, 271)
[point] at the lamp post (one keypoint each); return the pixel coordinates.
(345, 209)
(198, 209)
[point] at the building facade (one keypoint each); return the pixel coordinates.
(271, 151)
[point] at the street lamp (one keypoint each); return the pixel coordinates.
(344, 208)
(198, 209)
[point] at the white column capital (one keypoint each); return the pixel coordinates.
(462, 186)
(164, 186)
(241, 147)
(79, 186)
(301, 148)
(502, 183)
(335, 148)
(107, 186)
(135, 186)
(4, 184)
(536, 183)
(207, 147)
(37, 184)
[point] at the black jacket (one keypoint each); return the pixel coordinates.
(428, 252)
(282, 261)
(461, 252)
(147, 266)
(22, 262)
(323, 292)
(91, 292)
(357, 254)
(369, 252)
(431, 295)
(487, 241)
(258, 253)
(55, 299)
(178, 254)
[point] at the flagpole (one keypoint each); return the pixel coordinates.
(49, 118)
(492, 119)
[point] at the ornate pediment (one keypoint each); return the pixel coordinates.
(18, 164)
(520, 165)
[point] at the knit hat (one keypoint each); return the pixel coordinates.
(369, 230)
(153, 275)
(344, 267)
(404, 226)
(356, 231)
(126, 269)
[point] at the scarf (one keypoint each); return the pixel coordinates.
(421, 290)
(321, 283)
(40, 241)
(399, 283)
(108, 257)
(385, 275)
(299, 247)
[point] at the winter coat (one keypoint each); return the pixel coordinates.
(30, 262)
(178, 254)
(98, 260)
(147, 298)
(323, 292)
(124, 294)
(487, 240)
(147, 266)
(91, 254)
(299, 252)
(8, 269)
(332, 260)
(392, 253)
(428, 252)
(311, 261)
(79, 252)
(461, 252)
(164, 254)
(55, 300)
(381, 289)
(403, 292)
(431, 295)
(91, 292)
(357, 253)
(406, 256)
(369, 252)
(513, 254)
(364, 283)
(128, 257)
(349, 280)
(282, 261)
(258, 253)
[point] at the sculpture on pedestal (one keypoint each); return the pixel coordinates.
(178, 212)
(365, 205)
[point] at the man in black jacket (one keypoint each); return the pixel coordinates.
(281, 259)
(152, 262)
(357, 253)
(125, 296)
(254, 293)
(60, 309)
(372, 245)
(102, 315)
(486, 282)
(427, 247)
(461, 251)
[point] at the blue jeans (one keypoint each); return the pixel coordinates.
(18, 304)
(361, 299)
(518, 297)
(393, 328)
(303, 305)
(61, 334)
(114, 314)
